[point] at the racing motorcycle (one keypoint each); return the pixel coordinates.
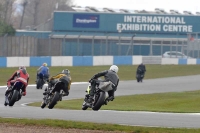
(41, 81)
(50, 98)
(139, 76)
(99, 98)
(14, 93)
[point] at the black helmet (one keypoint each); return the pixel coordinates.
(66, 71)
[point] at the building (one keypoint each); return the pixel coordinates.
(91, 31)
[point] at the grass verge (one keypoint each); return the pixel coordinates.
(84, 73)
(179, 102)
(94, 126)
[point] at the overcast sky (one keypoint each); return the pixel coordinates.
(149, 5)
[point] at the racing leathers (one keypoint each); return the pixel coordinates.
(109, 75)
(141, 69)
(43, 71)
(62, 81)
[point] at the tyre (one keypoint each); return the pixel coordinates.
(100, 101)
(42, 84)
(54, 100)
(39, 83)
(13, 98)
(83, 106)
(5, 103)
(43, 105)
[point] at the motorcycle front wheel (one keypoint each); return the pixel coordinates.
(43, 105)
(83, 106)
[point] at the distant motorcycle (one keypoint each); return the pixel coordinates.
(51, 99)
(14, 94)
(41, 81)
(139, 76)
(99, 98)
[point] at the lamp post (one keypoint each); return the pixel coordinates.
(119, 48)
(132, 43)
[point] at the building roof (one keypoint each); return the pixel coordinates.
(109, 10)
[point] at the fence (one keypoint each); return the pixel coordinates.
(93, 61)
(95, 45)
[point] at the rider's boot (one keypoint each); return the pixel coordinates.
(111, 98)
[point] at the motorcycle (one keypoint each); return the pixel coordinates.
(14, 93)
(41, 81)
(139, 76)
(50, 98)
(99, 98)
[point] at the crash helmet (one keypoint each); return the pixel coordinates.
(114, 68)
(22, 67)
(66, 71)
(44, 64)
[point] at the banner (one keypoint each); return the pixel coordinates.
(86, 21)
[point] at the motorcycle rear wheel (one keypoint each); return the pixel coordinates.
(13, 98)
(55, 98)
(100, 101)
(39, 84)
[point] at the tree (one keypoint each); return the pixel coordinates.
(30, 13)
(40, 11)
(5, 27)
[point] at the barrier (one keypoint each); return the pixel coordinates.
(92, 61)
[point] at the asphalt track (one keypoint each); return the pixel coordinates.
(135, 118)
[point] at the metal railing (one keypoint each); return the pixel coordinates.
(96, 45)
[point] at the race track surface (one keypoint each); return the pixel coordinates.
(136, 118)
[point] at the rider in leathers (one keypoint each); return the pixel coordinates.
(64, 77)
(109, 75)
(43, 71)
(20, 75)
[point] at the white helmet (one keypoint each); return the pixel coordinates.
(22, 67)
(114, 68)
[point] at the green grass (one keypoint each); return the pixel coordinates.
(180, 102)
(94, 126)
(83, 74)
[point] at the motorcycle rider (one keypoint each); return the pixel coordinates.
(19, 75)
(141, 69)
(109, 75)
(64, 77)
(43, 71)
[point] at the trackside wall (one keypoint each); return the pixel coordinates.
(92, 61)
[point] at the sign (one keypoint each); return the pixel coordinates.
(86, 21)
(154, 24)
(126, 23)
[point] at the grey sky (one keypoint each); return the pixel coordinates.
(149, 5)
